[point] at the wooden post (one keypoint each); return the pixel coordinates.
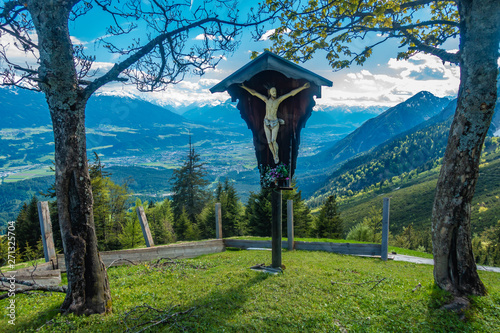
(289, 225)
(49, 249)
(276, 199)
(385, 229)
(145, 226)
(218, 221)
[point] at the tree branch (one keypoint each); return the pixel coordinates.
(118, 68)
(32, 286)
(453, 58)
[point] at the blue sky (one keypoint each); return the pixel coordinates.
(381, 81)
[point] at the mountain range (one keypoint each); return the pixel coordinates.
(128, 132)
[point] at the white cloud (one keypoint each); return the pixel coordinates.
(393, 82)
(267, 34)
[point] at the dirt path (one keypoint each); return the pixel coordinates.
(417, 260)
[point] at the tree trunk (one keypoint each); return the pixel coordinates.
(88, 286)
(454, 265)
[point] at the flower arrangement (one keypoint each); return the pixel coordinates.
(269, 177)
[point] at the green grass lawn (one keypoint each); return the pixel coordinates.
(318, 292)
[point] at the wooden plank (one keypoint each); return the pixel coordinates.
(385, 229)
(342, 248)
(46, 277)
(218, 221)
(289, 224)
(49, 249)
(177, 251)
(245, 244)
(145, 226)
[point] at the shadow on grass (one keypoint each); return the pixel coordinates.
(441, 320)
(35, 318)
(219, 309)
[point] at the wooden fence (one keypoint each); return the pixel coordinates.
(194, 249)
(173, 251)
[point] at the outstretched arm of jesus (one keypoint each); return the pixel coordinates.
(254, 93)
(294, 92)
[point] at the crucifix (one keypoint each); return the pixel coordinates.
(271, 121)
(276, 123)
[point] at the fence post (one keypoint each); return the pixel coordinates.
(289, 225)
(385, 229)
(49, 249)
(218, 221)
(145, 226)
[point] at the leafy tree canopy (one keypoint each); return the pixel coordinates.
(333, 26)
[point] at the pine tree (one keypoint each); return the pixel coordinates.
(110, 208)
(302, 218)
(329, 223)
(28, 230)
(258, 213)
(206, 223)
(3, 250)
(231, 209)
(185, 228)
(188, 187)
(160, 219)
(131, 235)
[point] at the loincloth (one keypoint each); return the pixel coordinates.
(273, 123)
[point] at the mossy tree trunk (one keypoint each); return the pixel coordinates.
(455, 268)
(88, 286)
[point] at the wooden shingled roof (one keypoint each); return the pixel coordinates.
(270, 61)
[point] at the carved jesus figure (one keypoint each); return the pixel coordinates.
(271, 121)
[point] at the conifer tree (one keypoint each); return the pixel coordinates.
(258, 213)
(185, 228)
(206, 219)
(302, 218)
(3, 250)
(28, 226)
(230, 209)
(189, 187)
(131, 235)
(329, 223)
(160, 219)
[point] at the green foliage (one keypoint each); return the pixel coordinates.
(186, 229)
(302, 218)
(334, 26)
(486, 246)
(414, 239)
(189, 187)
(370, 229)
(329, 223)
(28, 230)
(231, 209)
(396, 162)
(4, 251)
(318, 292)
(258, 213)
(160, 218)
(361, 233)
(131, 235)
(110, 205)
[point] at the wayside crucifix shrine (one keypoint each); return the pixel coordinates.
(275, 100)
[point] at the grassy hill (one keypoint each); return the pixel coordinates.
(412, 200)
(318, 292)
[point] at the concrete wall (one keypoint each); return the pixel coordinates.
(342, 248)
